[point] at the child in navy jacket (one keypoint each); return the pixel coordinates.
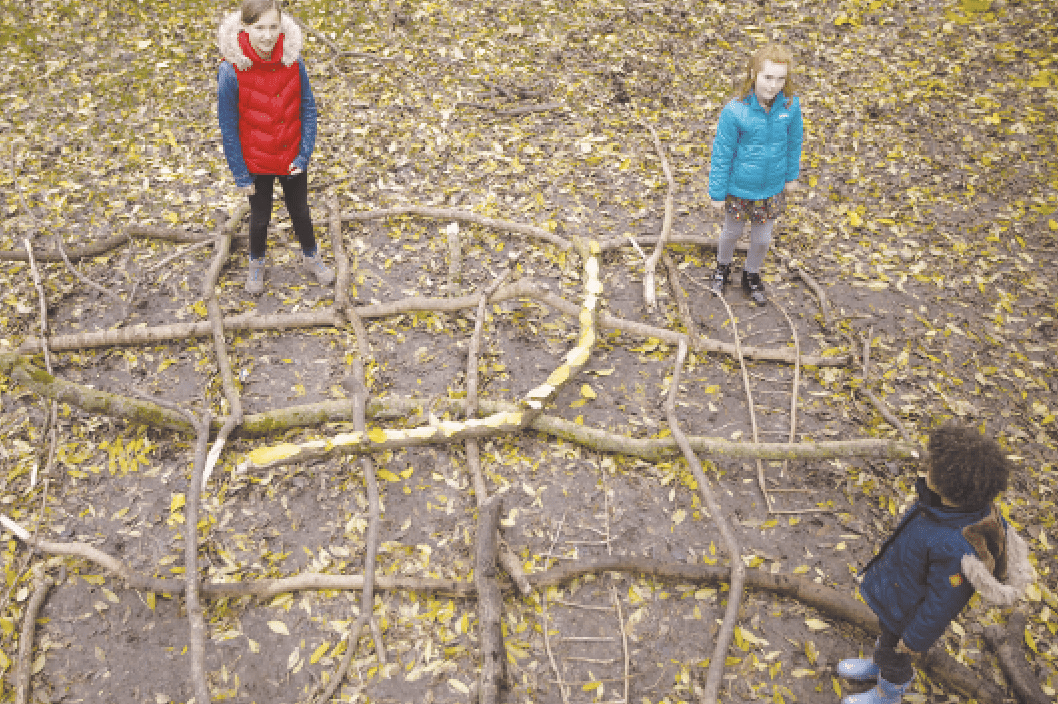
(756, 158)
(952, 542)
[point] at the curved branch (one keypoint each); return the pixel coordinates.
(1007, 646)
(24, 665)
(649, 295)
(462, 216)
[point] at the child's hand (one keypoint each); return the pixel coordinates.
(902, 648)
(294, 171)
(718, 204)
(247, 190)
(793, 186)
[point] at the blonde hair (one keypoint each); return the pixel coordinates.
(777, 54)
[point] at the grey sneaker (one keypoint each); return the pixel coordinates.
(314, 265)
(256, 276)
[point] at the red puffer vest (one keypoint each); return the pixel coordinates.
(269, 110)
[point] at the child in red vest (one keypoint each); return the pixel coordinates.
(952, 542)
(268, 124)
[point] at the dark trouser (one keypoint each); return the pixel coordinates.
(895, 667)
(296, 196)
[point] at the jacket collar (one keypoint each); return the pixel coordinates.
(233, 52)
(947, 515)
(752, 102)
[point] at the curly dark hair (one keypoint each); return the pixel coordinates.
(967, 468)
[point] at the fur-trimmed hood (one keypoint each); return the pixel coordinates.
(228, 40)
(999, 570)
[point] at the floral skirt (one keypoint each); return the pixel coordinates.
(756, 211)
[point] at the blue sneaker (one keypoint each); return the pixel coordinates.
(858, 669)
(884, 693)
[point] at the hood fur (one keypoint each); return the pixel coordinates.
(228, 40)
(1000, 571)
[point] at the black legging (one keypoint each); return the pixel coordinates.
(895, 667)
(296, 196)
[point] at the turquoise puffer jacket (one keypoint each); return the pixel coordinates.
(755, 152)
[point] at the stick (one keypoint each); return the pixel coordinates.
(490, 601)
(462, 216)
(194, 605)
(796, 267)
(367, 595)
(84, 279)
(796, 379)
(738, 570)
(341, 281)
(152, 413)
(674, 238)
(879, 406)
(526, 109)
(1007, 647)
(177, 254)
(50, 410)
(666, 226)
(939, 665)
(455, 258)
(327, 317)
(216, 320)
(562, 688)
(682, 307)
(111, 243)
(24, 667)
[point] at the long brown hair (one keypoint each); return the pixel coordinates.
(253, 9)
(777, 54)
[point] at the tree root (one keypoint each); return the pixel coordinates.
(734, 552)
(462, 216)
(1006, 643)
(490, 601)
(24, 665)
(649, 294)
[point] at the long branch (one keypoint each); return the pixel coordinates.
(191, 592)
(734, 552)
(327, 317)
(490, 600)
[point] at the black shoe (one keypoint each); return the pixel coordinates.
(719, 277)
(753, 287)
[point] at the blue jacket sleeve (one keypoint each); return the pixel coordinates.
(795, 138)
(947, 592)
(725, 145)
(308, 120)
(228, 114)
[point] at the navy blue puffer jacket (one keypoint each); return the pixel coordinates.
(915, 584)
(755, 152)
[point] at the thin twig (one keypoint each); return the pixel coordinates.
(824, 307)
(183, 251)
(562, 688)
(84, 279)
(796, 380)
(738, 570)
(649, 295)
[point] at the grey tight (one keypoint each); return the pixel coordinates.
(759, 241)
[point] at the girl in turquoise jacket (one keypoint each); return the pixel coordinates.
(756, 159)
